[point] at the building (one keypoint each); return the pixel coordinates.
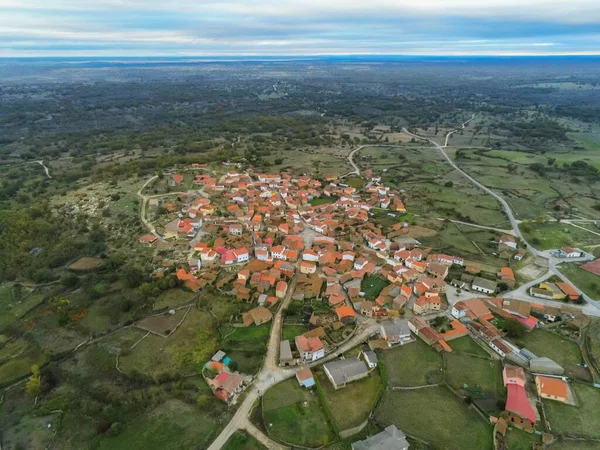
(396, 332)
(389, 439)
(370, 358)
(508, 241)
(285, 354)
(305, 377)
(426, 304)
(344, 371)
(568, 252)
(310, 348)
(483, 285)
(552, 388)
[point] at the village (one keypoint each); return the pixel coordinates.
(307, 247)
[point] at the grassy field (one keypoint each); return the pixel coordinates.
(573, 445)
(372, 285)
(243, 441)
(19, 360)
(295, 415)
(520, 440)
(173, 425)
(464, 371)
(563, 351)
(12, 308)
(351, 405)
(173, 298)
(323, 200)
(291, 331)
(551, 235)
(414, 364)
(436, 416)
(156, 355)
(581, 420)
(467, 345)
(584, 280)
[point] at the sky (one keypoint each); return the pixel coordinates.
(298, 27)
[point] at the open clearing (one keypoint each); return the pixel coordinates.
(584, 280)
(581, 420)
(86, 263)
(547, 236)
(413, 364)
(563, 351)
(467, 345)
(436, 416)
(162, 324)
(295, 415)
(173, 425)
(350, 406)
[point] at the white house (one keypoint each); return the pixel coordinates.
(360, 263)
(568, 252)
(241, 254)
(483, 285)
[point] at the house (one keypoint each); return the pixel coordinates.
(285, 354)
(258, 315)
(552, 388)
(235, 229)
(513, 375)
(483, 285)
(507, 276)
(241, 254)
(344, 371)
(370, 358)
(396, 332)
(568, 290)
(508, 241)
(305, 377)
(500, 347)
(310, 348)
(281, 289)
(308, 267)
(147, 239)
(226, 385)
(345, 314)
(520, 412)
(438, 270)
(389, 439)
(567, 252)
(426, 304)
(473, 309)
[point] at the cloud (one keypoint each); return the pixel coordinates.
(120, 27)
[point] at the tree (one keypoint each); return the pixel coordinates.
(514, 329)
(33, 387)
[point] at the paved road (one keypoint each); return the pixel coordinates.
(356, 170)
(552, 261)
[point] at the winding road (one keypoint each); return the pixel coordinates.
(41, 163)
(552, 261)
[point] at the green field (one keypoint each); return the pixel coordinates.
(584, 280)
(243, 441)
(289, 332)
(581, 420)
(13, 307)
(156, 355)
(372, 285)
(561, 350)
(475, 373)
(295, 415)
(413, 364)
(351, 405)
(173, 425)
(436, 416)
(551, 235)
(520, 440)
(467, 345)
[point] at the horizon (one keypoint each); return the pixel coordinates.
(150, 28)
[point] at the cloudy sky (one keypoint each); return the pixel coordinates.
(297, 27)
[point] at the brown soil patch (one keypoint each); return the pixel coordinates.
(162, 324)
(86, 263)
(415, 231)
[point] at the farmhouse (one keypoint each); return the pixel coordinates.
(305, 377)
(483, 285)
(344, 371)
(568, 252)
(310, 348)
(552, 388)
